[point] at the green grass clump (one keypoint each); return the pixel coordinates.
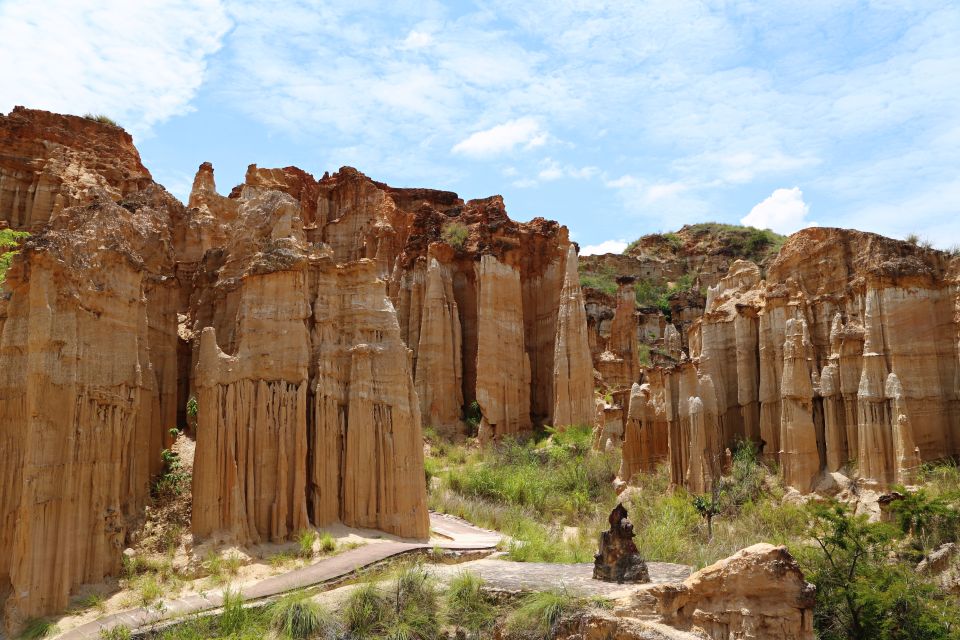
(222, 569)
(297, 617)
(470, 608)
(119, 632)
(328, 544)
(305, 542)
(455, 234)
(407, 607)
(39, 628)
(233, 616)
(539, 614)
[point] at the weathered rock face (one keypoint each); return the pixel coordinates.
(618, 559)
(88, 385)
(758, 592)
(315, 322)
(847, 351)
(50, 162)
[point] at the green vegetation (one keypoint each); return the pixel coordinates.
(297, 617)
(861, 593)
(305, 542)
(119, 632)
(192, 407)
(644, 351)
(174, 481)
(455, 234)
(39, 628)
(9, 241)
(602, 277)
(539, 613)
(540, 492)
(102, 119)
(475, 611)
(222, 568)
(650, 295)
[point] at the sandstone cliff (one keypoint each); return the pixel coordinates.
(843, 358)
(319, 324)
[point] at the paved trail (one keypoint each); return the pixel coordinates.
(461, 535)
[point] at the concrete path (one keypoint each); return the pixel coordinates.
(460, 536)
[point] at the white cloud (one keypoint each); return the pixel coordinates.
(607, 246)
(137, 62)
(784, 211)
(523, 132)
(553, 170)
(417, 40)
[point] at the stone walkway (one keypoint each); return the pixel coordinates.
(539, 576)
(460, 536)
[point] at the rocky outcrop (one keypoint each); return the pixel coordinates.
(618, 559)
(758, 592)
(88, 381)
(572, 367)
(317, 323)
(50, 162)
(844, 352)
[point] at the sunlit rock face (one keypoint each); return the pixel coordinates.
(319, 324)
(846, 351)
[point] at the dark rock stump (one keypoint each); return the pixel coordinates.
(619, 560)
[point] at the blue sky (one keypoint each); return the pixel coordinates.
(615, 118)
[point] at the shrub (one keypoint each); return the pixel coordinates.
(644, 350)
(9, 241)
(174, 481)
(455, 234)
(222, 568)
(912, 238)
(860, 592)
(101, 118)
(472, 416)
(192, 407)
(297, 617)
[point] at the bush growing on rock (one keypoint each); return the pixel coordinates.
(455, 234)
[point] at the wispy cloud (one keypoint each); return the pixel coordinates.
(138, 62)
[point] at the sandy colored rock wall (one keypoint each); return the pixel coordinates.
(846, 352)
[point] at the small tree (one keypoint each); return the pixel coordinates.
(709, 506)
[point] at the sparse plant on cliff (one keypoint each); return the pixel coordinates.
(9, 241)
(192, 407)
(601, 277)
(101, 118)
(174, 480)
(912, 238)
(455, 234)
